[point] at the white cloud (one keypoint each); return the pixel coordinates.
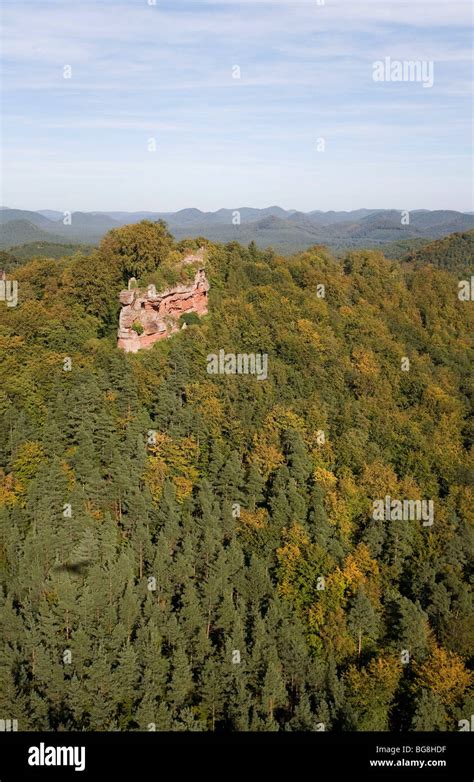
(140, 70)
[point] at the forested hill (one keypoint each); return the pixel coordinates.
(455, 252)
(192, 551)
(288, 231)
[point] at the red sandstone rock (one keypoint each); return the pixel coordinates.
(158, 312)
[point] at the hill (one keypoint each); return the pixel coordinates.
(25, 252)
(35, 218)
(283, 549)
(15, 232)
(455, 253)
(285, 230)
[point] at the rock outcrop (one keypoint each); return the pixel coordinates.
(148, 316)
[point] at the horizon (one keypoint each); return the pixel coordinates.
(233, 208)
(215, 101)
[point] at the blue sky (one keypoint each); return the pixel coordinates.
(141, 71)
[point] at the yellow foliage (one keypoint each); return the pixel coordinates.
(360, 570)
(184, 487)
(466, 503)
(437, 400)
(408, 487)
(379, 479)
(8, 344)
(69, 473)
(336, 584)
(256, 519)
(308, 333)
(155, 475)
(25, 465)
(447, 443)
(325, 478)
(295, 539)
(365, 362)
(93, 511)
(376, 682)
(346, 310)
(331, 630)
(281, 418)
(338, 513)
(176, 459)
(322, 454)
(8, 491)
(327, 618)
(445, 674)
(289, 556)
(202, 396)
(264, 456)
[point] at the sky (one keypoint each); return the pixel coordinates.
(161, 105)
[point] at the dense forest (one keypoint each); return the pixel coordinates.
(186, 551)
(454, 252)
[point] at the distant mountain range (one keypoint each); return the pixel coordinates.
(285, 230)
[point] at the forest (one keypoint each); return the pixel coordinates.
(188, 551)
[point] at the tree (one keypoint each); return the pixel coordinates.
(274, 691)
(181, 683)
(369, 693)
(445, 675)
(223, 573)
(136, 249)
(429, 712)
(362, 619)
(410, 628)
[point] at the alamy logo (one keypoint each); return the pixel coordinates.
(57, 756)
(403, 510)
(404, 70)
(466, 290)
(238, 364)
(9, 292)
(8, 725)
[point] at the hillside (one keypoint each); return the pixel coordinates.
(14, 232)
(37, 219)
(25, 252)
(192, 547)
(287, 231)
(455, 252)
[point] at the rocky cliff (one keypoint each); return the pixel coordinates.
(148, 315)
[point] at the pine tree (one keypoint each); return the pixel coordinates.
(429, 713)
(362, 619)
(211, 693)
(410, 630)
(274, 693)
(296, 454)
(181, 683)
